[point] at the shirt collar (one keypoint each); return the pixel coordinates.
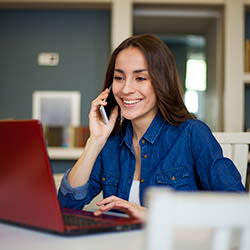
(155, 128)
(151, 134)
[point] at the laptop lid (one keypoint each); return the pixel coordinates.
(26, 183)
(27, 189)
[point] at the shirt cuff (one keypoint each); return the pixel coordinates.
(78, 193)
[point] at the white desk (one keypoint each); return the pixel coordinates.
(17, 238)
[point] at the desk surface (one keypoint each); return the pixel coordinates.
(12, 238)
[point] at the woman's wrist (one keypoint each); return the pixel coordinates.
(96, 143)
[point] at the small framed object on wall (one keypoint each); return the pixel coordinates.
(57, 108)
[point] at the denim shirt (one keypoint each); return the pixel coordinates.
(185, 157)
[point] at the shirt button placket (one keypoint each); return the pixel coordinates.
(144, 162)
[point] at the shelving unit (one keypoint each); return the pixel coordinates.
(60, 153)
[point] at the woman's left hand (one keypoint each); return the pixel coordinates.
(130, 208)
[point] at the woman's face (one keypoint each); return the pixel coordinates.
(132, 86)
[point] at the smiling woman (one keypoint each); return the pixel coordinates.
(150, 138)
(132, 87)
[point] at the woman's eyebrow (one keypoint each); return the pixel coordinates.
(139, 70)
(119, 70)
(135, 71)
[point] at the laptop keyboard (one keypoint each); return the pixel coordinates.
(73, 220)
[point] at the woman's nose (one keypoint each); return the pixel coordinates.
(128, 86)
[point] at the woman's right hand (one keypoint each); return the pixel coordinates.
(99, 133)
(99, 130)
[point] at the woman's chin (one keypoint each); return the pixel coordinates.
(129, 116)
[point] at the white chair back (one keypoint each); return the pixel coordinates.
(236, 147)
(171, 211)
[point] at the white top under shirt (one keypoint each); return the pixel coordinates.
(134, 192)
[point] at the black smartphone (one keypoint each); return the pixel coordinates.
(111, 103)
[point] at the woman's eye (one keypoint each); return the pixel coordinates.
(139, 78)
(118, 78)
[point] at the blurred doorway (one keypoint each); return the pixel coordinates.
(194, 35)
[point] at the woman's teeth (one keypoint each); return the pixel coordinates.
(130, 101)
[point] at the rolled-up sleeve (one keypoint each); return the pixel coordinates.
(71, 197)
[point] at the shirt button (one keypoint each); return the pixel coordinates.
(173, 178)
(142, 180)
(145, 156)
(143, 141)
(103, 179)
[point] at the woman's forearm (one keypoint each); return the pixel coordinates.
(81, 171)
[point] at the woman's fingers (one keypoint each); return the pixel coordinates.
(100, 100)
(113, 202)
(106, 204)
(105, 208)
(104, 95)
(108, 200)
(96, 123)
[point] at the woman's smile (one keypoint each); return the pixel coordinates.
(130, 102)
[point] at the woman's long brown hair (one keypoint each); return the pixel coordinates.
(164, 77)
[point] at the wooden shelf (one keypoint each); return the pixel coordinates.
(60, 153)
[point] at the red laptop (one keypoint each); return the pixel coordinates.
(27, 191)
